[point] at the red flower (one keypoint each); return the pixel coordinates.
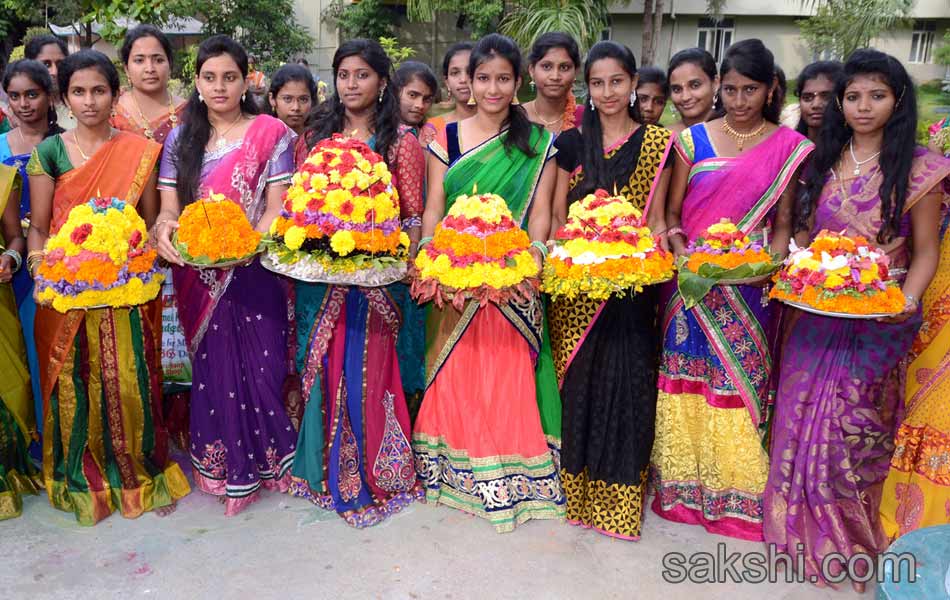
(346, 208)
(300, 219)
(80, 234)
(135, 239)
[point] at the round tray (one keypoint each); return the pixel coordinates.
(219, 265)
(815, 311)
(310, 271)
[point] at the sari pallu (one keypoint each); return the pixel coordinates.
(237, 328)
(353, 451)
(104, 445)
(917, 488)
(709, 456)
(17, 424)
(478, 441)
(606, 355)
(840, 385)
(22, 282)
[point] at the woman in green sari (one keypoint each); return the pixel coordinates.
(478, 440)
(17, 424)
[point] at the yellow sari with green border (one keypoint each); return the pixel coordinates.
(18, 476)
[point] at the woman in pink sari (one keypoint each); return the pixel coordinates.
(841, 380)
(709, 456)
(235, 319)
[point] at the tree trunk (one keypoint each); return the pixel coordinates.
(87, 36)
(657, 28)
(646, 48)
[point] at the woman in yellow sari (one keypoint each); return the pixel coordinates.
(104, 443)
(17, 425)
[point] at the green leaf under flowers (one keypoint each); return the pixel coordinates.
(204, 261)
(693, 287)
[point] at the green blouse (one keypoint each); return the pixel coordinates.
(50, 158)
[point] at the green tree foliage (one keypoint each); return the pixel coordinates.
(394, 51)
(942, 55)
(843, 26)
(365, 19)
(481, 17)
(525, 20)
(267, 29)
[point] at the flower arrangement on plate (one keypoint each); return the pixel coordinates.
(604, 249)
(478, 252)
(838, 275)
(723, 255)
(214, 232)
(99, 258)
(340, 220)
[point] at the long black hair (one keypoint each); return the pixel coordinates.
(750, 58)
(451, 52)
(86, 59)
(413, 69)
(897, 149)
(592, 157)
(693, 56)
(35, 45)
(288, 73)
(143, 31)
(196, 129)
(551, 40)
(495, 45)
(831, 69)
(330, 116)
(38, 74)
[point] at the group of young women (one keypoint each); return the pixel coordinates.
(751, 420)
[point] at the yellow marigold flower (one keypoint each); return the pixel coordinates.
(294, 237)
(364, 165)
(723, 226)
(404, 239)
(833, 280)
(342, 242)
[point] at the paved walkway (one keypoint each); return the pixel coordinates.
(283, 547)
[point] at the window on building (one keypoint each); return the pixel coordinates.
(715, 36)
(922, 41)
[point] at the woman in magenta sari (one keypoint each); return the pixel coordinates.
(235, 319)
(841, 379)
(709, 454)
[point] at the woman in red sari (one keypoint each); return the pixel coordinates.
(104, 444)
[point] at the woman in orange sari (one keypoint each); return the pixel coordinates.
(148, 108)
(104, 445)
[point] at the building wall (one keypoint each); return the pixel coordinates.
(325, 38)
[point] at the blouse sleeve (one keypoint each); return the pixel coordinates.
(410, 177)
(684, 146)
(168, 167)
(41, 160)
(282, 168)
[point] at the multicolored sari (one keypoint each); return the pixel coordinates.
(606, 357)
(17, 424)
(237, 328)
(105, 446)
(157, 129)
(840, 385)
(709, 457)
(478, 441)
(917, 488)
(354, 454)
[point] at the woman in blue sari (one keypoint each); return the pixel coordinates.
(30, 89)
(354, 454)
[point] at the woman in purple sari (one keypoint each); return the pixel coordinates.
(235, 319)
(709, 455)
(842, 379)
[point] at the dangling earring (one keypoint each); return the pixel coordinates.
(515, 101)
(715, 98)
(768, 100)
(243, 96)
(113, 113)
(592, 107)
(471, 100)
(381, 92)
(70, 114)
(531, 85)
(201, 98)
(633, 97)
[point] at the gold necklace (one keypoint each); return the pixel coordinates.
(550, 123)
(172, 117)
(78, 147)
(222, 141)
(740, 137)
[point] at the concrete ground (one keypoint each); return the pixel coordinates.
(283, 547)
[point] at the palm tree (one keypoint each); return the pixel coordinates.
(843, 26)
(585, 20)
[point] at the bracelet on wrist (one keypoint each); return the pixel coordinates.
(425, 240)
(17, 258)
(542, 248)
(675, 231)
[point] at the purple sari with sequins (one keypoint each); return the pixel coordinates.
(841, 382)
(237, 328)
